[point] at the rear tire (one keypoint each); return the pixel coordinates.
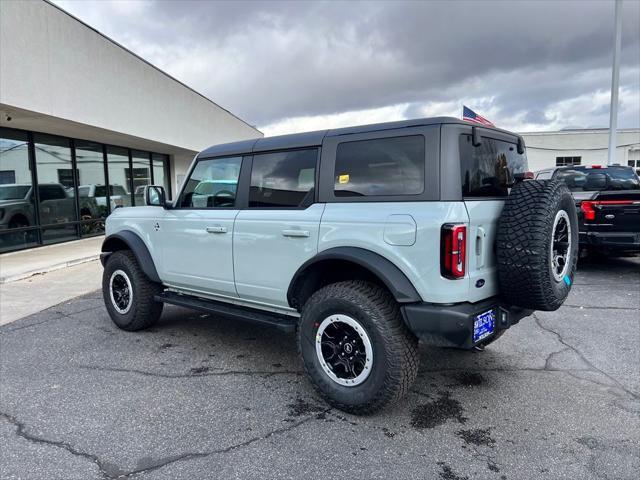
(537, 245)
(370, 317)
(128, 294)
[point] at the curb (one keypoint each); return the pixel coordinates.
(48, 268)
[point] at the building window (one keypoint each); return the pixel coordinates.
(74, 192)
(7, 176)
(568, 161)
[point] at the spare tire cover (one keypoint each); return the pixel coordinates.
(537, 245)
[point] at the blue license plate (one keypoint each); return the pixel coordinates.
(484, 325)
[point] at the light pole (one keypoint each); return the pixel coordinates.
(615, 77)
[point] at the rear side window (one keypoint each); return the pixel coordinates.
(380, 167)
(283, 179)
(488, 169)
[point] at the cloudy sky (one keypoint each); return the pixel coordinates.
(287, 67)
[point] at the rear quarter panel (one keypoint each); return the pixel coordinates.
(363, 225)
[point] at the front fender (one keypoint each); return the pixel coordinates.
(128, 240)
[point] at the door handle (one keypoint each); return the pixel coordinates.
(216, 229)
(295, 233)
(480, 236)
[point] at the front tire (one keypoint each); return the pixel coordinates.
(128, 294)
(356, 350)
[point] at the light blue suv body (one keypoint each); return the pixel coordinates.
(409, 208)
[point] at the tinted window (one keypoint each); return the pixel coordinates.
(544, 176)
(51, 192)
(283, 179)
(599, 179)
(213, 183)
(488, 170)
(384, 166)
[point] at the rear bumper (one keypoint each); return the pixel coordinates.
(614, 240)
(452, 325)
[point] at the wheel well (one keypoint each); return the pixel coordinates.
(19, 217)
(114, 245)
(326, 272)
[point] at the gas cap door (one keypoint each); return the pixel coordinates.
(400, 230)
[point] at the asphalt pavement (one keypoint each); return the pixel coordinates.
(196, 397)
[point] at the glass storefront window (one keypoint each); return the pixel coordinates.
(140, 175)
(161, 171)
(73, 195)
(17, 212)
(56, 192)
(119, 186)
(92, 198)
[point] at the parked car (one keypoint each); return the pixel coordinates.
(98, 193)
(608, 201)
(362, 239)
(17, 205)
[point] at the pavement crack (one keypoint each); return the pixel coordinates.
(21, 431)
(591, 366)
(591, 307)
(194, 455)
(220, 373)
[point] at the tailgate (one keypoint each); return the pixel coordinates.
(617, 211)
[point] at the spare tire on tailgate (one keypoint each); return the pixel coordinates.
(537, 245)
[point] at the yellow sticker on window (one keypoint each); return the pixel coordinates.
(343, 179)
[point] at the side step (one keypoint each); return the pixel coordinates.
(282, 322)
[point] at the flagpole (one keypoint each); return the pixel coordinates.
(615, 77)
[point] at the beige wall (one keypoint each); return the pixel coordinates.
(54, 67)
(591, 145)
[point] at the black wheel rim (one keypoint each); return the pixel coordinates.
(344, 350)
(121, 291)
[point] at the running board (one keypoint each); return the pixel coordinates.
(282, 322)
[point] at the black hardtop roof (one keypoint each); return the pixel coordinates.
(314, 139)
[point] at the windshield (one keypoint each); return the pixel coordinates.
(13, 192)
(599, 179)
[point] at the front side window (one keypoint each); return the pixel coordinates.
(212, 184)
(380, 167)
(283, 179)
(488, 170)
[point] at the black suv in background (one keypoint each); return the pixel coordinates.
(608, 201)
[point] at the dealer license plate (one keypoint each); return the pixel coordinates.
(484, 325)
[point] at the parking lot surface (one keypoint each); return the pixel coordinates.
(558, 396)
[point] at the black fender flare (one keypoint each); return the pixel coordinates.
(391, 276)
(114, 242)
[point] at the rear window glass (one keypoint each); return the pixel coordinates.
(488, 169)
(283, 179)
(599, 179)
(379, 167)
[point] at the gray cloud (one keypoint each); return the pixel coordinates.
(266, 61)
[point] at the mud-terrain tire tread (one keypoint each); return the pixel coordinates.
(523, 236)
(402, 360)
(145, 311)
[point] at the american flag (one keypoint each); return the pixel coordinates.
(471, 116)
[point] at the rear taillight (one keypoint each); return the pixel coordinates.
(453, 249)
(589, 212)
(588, 207)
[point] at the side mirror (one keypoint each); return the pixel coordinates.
(520, 146)
(154, 196)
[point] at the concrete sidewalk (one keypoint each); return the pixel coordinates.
(34, 280)
(18, 265)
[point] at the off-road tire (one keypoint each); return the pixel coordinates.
(144, 311)
(395, 357)
(524, 241)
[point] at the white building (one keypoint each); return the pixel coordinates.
(581, 147)
(79, 111)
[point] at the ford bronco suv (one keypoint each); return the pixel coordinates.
(364, 240)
